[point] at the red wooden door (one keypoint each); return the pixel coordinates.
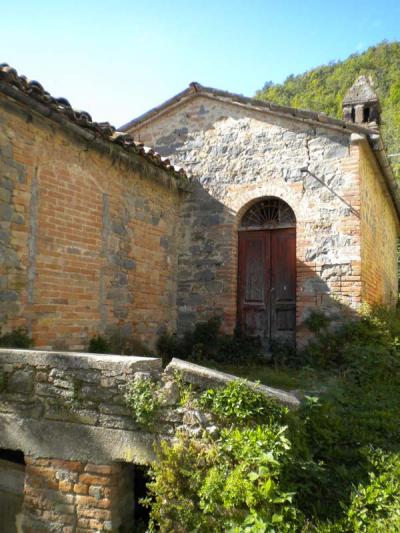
(267, 284)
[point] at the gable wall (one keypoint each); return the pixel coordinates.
(239, 155)
(86, 245)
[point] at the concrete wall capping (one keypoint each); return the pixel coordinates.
(78, 360)
(203, 376)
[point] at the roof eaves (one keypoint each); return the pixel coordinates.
(155, 111)
(321, 119)
(196, 89)
(32, 94)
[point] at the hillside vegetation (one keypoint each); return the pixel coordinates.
(323, 88)
(331, 466)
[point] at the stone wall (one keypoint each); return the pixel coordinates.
(379, 235)
(86, 245)
(67, 414)
(239, 155)
(76, 400)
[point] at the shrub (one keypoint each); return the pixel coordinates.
(206, 342)
(141, 397)
(375, 506)
(17, 338)
(311, 470)
(239, 403)
(230, 482)
(127, 345)
(99, 344)
(118, 343)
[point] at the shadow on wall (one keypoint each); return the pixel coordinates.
(208, 270)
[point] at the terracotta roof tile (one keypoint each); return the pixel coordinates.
(104, 130)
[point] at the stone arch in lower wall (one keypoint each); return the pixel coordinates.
(12, 478)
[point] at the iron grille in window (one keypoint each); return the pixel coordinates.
(269, 213)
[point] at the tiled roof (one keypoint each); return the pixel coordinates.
(9, 78)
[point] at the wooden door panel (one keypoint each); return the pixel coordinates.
(283, 283)
(254, 269)
(255, 322)
(285, 319)
(267, 283)
(253, 288)
(283, 244)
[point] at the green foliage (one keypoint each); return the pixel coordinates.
(323, 88)
(142, 398)
(240, 403)
(359, 409)
(3, 380)
(76, 393)
(229, 484)
(283, 353)
(17, 338)
(316, 321)
(99, 344)
(245, 480)
(206, 342)
(333, 466)
(366, 347)
(118, 343)
(186, 393)
(375, 504)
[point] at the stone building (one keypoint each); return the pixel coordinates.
(290, 210)
(284, 211)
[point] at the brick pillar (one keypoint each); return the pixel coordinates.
(71, 497)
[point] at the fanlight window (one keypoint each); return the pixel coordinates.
(268, 214)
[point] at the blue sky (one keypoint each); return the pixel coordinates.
(117, 59)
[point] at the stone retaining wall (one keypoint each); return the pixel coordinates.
(66, 413)
(70, 387)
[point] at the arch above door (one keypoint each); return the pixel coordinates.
(268, 213)
(267, 271)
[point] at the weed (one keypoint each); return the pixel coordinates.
(141, 397)
(207, 342)
(17, 338)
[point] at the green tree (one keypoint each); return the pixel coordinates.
(323, 89)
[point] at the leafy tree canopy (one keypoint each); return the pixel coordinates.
(323, 89)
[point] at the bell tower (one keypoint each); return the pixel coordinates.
(361, 105)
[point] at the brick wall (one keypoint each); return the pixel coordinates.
(71, 496)
(379, 233)
(86, 244)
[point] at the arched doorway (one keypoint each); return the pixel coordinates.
(267, 271)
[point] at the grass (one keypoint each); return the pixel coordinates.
(305, 379)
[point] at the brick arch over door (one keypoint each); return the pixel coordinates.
(267, 271)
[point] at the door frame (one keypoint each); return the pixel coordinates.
(247, 226)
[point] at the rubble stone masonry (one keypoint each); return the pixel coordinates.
(239, 155)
